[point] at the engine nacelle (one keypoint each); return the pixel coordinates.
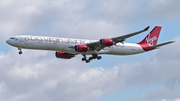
(106, 42)
(81, 48)
(64, 55)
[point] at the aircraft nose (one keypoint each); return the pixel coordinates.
(7, 41)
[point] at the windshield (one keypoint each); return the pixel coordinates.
(12, 38)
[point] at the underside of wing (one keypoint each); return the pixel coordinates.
(95, 46)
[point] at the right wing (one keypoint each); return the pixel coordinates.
(96, 46)
(124, 37)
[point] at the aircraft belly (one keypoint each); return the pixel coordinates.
(71, 50)
(127, 49)
(42, 46)
(120, 51)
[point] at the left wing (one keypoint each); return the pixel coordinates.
(97, 46)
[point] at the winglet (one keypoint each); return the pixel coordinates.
(146, 28)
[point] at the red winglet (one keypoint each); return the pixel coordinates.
(146, 28)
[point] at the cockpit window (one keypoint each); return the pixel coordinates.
(12, 38)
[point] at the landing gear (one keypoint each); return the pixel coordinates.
(84, 58)
(20, 52)
(94, 56)
(99, 57)
(87, 61)
(90, 58)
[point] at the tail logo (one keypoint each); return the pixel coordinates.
(150, 40)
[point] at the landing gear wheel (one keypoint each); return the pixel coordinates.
(19, 48)
(94, 56)
(90, 58)
(20, 52)
(83, 59)
(87, 61)
(99, 57)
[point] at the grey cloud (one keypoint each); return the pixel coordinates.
(25, 78)
(160, 93)
(77, 18)
(163, 10)
(38, 75)
(160, 68)
(58, 18)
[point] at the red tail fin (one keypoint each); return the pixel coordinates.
(152, 37)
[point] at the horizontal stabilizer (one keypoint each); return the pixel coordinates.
(159, 45)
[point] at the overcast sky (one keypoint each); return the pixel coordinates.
(40, 76)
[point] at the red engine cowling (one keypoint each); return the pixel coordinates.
(64, 55)
(81, 48)
(106, 42)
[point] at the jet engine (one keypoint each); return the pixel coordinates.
(81, 48)
(64, 55)
(106, 42)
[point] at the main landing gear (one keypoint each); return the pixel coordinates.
(94, 56)
(20, 52)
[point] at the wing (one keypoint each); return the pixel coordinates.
(124, 37)
(96, 46)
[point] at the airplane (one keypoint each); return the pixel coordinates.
(67, 48)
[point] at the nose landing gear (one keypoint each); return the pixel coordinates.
(20, 52)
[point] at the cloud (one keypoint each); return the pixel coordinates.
(163, 10)
(16, 16)
(58, 18)
(164, 93)
(81, 19)
(160, 68)
(51, 79)
(38, 75)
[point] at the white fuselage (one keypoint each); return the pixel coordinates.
(63, 44)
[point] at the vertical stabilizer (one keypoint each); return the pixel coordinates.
(152, 38)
